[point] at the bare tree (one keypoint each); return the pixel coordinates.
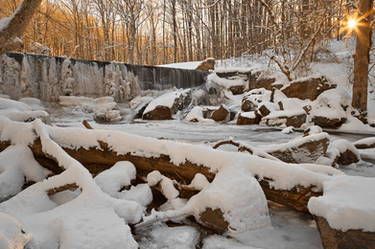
(14, 26)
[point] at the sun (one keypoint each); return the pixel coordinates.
(352, 23)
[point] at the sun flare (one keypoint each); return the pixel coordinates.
(352, 23)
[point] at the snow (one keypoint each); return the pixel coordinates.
(347, 203)
(226, 83)
(16, 164)
(104, 109)
(183, 65)
(287, 130)
(12, 235)
(250, 115)
(12, 104)
(366, 141)
(96, 214)
(238, 195)
(161, 236)
(4, 22)
(196, 114)
(168, 189)
(118, 176)
(199, 182)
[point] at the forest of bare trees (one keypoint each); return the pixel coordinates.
(166, 31)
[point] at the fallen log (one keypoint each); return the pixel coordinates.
(97, 160)
(296, 198)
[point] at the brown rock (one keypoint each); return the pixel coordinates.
(247, 105)
(328, 123)
(346, 158)
(206, 65)
(237, 90)
(308, 151)
(159, 113)
(281, 118)
(296, 121)
(309, 88)
(214, 219)
(362, 146)
(351, 239)
(220, 114)
(243, 120)
(261, 83)
(263, 110)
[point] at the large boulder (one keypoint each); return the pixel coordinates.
(262, 82)
(285, 118)
(305, 149)
(166, 105)
(221, 114)
(342, 152)
(158, 113)
(366, 143)
(207, 64)
(247, 105)
(327, 122)
(237, 90)
(307, 88)
(331, 109)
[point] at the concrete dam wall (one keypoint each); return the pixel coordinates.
(48, 77)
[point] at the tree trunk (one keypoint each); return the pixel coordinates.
(17, 24)
(361, 59)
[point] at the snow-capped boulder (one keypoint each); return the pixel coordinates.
(247, 105)
(327, 122)
(285, 119)
(366, 143)
(262, 82)
(307, 88)
(248, 118)
(166, 105)
(330, 109)
(342, 152)
(207, 65)
(237, 90)
(139, 105)
(305, 149)
(220, 114)
(195, 115)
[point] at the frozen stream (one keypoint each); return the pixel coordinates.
(290, 230)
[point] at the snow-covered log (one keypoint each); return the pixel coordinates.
(98, 150)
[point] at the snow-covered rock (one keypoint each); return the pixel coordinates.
(307, 88)
(167, 105)
(248, 118)
(207, 65)
(348, 203)
(342, 152)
